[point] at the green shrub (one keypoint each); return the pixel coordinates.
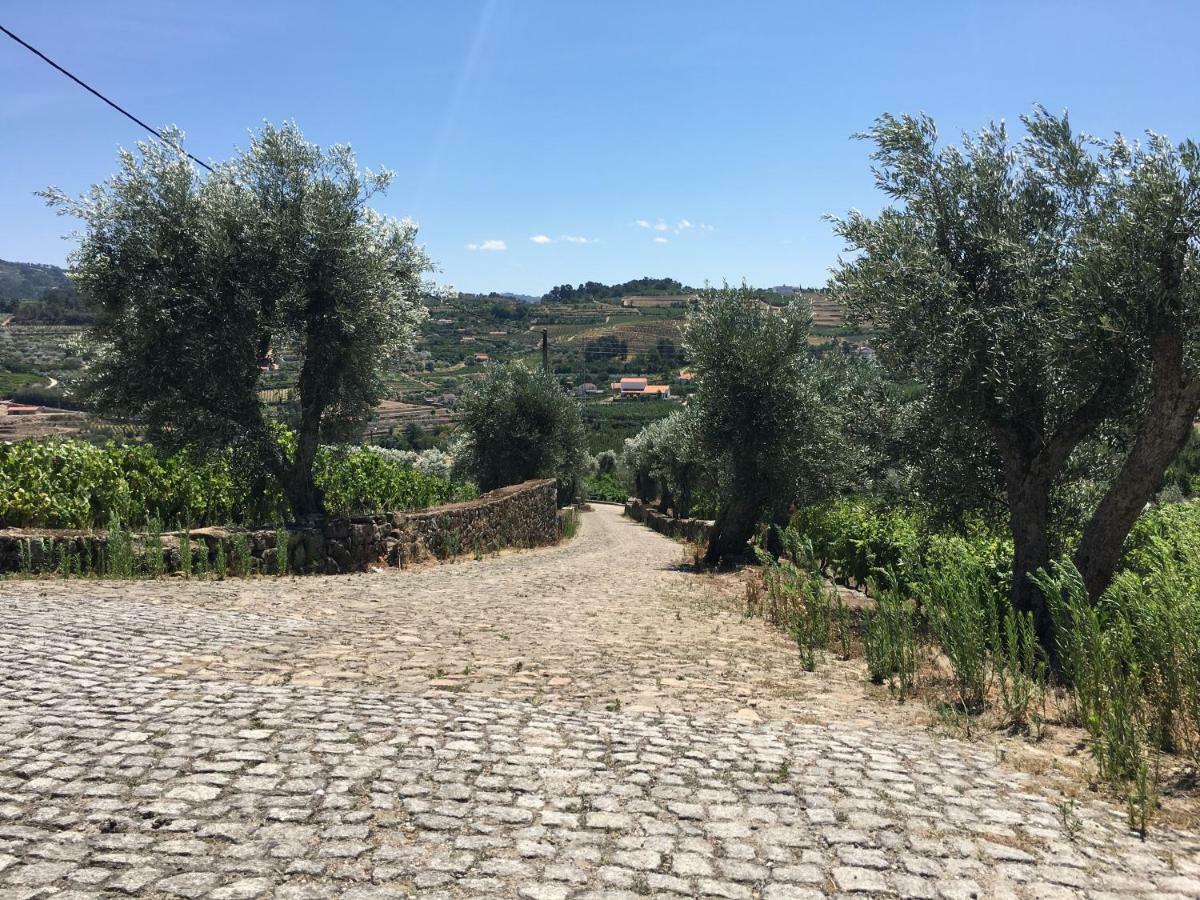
(857, 541)
(282, 540)
(185, 552)
(960, 599)
(240, 546)
(120, 562)
(1020, 670)
(607, 487)
(65, 483)
(154, 553)
(890, 641)
(796, 601)
(569, 519)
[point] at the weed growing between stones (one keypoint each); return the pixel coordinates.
(240, 546)
(890, 641)
(185, 552)
(119, 562)
(281, 550)
(155, 556)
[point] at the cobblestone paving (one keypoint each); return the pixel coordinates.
(287, 739)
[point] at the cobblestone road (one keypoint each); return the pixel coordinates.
(581, 721)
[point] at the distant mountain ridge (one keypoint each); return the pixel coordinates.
(27, 281)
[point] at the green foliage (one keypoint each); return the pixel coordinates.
(859, 540)
(797, 602)
(155, 556)
(363, 481)
(608, 425)
(242, 562)
(200, 283)
(960, 599)
(1021, 671)
(667, 461)
(766, 413)
(1133, 664)
(890, 642)
(119, 561)
(608, 487)
(74, 484)
(518, 424)
(606, 463)
(282, 546)
(569, 522)
(592, 291)
(185, 552)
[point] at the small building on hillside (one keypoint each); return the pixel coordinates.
(18, 409)
(587, 389)
(633, 301)
(641, 389)
(481, 357)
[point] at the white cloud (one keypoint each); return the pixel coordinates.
(541, 239)
(661, 240)
(679, 227)
(575, 239)
(491, 244)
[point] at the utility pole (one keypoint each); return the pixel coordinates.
(545, 352)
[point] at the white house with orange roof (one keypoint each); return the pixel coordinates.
(641, 389)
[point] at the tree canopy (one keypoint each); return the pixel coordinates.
(518, 424)
(765, 409)
(1044, 294)
(200, 284)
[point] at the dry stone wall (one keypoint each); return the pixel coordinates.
(697, 531)
(522, 515)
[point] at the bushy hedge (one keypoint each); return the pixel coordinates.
(1128, 663)
(854, 539)
(75, 484)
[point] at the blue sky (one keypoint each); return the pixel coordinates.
(700, 140)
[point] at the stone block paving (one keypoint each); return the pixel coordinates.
(124, 770)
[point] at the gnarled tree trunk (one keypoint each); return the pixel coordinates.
(1162, 434)
(733, 529)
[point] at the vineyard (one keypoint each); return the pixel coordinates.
(73, 484)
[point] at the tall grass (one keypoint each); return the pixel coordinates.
(155, 555)
(960, 599)
(119, 562)
(1132, 661)
(891, 644)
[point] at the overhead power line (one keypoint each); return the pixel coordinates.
(87, 87)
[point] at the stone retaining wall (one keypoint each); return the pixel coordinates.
(522, 515)
(696, 531)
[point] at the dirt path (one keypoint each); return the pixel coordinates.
(580, 721)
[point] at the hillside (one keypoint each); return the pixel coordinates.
(25, 281)
(590, 341)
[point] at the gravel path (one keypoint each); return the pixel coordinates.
(579, 721)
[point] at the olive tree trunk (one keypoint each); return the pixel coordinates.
(733, 529)
(1166, 424)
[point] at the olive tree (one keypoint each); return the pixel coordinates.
(517, 424)
(766, 417)
(202, 284)
(1044, 292)
(666, 460)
